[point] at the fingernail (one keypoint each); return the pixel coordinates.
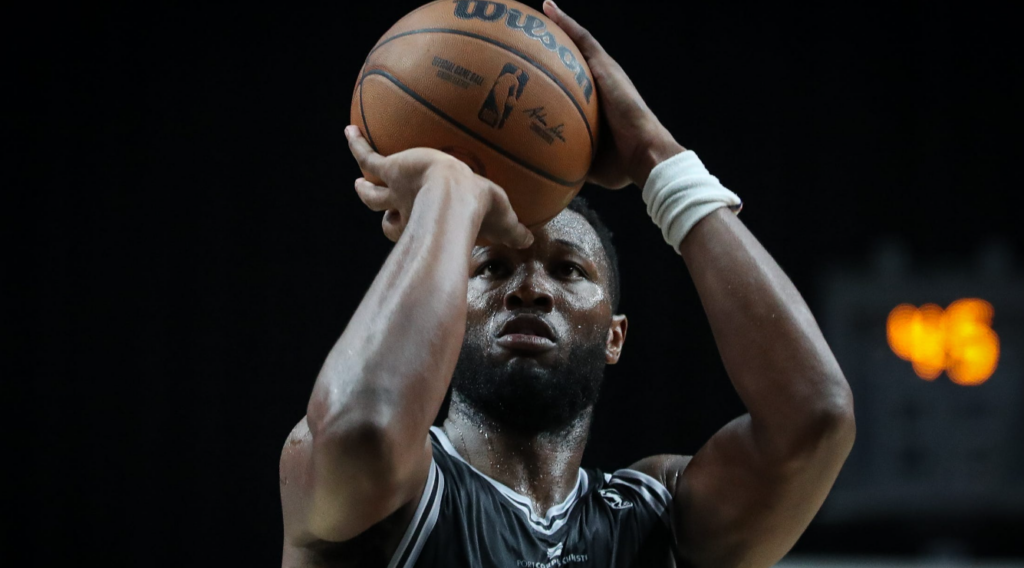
(553, 5)
(349, 130)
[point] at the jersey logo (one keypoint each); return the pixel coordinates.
(613, 498)
(555, 551)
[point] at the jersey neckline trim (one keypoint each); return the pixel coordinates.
(555, 516)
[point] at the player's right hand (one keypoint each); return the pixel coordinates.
(405, 173)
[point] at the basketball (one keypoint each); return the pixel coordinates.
(495, 84)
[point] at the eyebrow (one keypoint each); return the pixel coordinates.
(571, 245)
(564, 242)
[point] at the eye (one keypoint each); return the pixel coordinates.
(570, 270)
(491, 269)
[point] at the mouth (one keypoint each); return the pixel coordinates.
(526, 333)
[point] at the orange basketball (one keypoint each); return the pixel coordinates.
(497, 85)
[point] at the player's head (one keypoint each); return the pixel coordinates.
(541, 326)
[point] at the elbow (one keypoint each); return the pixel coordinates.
(825, 432)
(833, 427)
(364, 434)
(356, 480)
(837, 425)
(361, 416)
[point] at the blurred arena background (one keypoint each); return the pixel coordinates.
(189, 247)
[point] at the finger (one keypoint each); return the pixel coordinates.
(583, 39)
(521, 237)
(375, 197)
(369, 161)
(393, 225)
(513, 233)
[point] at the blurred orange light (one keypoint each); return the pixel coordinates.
(958, 340)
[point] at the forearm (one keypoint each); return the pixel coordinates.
(772, 348)
(390, 369)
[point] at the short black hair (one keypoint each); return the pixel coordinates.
(580, 205)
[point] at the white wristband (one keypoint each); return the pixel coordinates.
(680, 192)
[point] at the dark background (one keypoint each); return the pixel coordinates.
(194, 245)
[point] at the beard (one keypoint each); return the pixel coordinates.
(524, 397)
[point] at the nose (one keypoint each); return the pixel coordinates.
(529, 289)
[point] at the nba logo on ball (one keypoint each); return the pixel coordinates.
(507, 89)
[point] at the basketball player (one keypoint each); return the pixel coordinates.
(521, 328)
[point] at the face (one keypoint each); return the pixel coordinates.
(539, 329)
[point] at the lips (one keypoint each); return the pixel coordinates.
(527, 325)
(526, 333)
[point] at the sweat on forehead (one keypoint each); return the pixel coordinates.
(572, 230)
(569, 226)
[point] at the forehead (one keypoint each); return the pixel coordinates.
(568, 230)
(571, 229)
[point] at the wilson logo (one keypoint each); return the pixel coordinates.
(532, 26)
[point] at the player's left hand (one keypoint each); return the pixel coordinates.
(632, 140)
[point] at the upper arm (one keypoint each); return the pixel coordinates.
(327, 495)
(736, 506)
(732, 507)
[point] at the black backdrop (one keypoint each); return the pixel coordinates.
(194, 246)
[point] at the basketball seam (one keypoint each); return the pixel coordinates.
(510, 49)
(416, 96)
(385, 37)
(362, 112)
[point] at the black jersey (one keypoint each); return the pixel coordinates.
(468, 520)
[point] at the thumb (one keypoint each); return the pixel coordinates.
(521, 237)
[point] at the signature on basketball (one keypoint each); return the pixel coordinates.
(540, 127)
(532, 26)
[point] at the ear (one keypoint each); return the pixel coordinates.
(616, 339)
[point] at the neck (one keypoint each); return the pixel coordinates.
(542, 466)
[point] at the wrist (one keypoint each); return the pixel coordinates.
(454, 198)
(680, 192)
(662, 147)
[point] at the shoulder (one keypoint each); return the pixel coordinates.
(653, 482)
(666, 469)
(648, 483)
(632, 510)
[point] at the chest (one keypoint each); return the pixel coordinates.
(489, 531)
